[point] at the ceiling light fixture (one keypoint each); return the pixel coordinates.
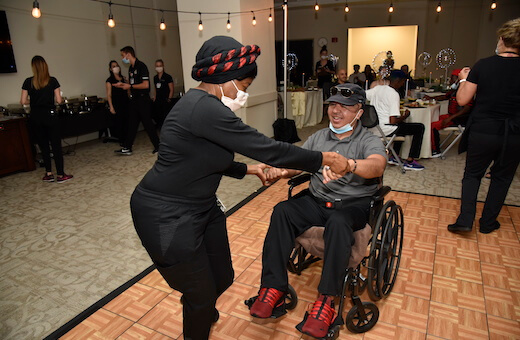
(201, 27)
(111, 23)
(228, 25)
(36, 10)
(347, 9)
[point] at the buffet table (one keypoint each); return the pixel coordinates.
(425, 115)
(304, 107)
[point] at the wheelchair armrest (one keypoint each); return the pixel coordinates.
(300, 179)
(381, 193)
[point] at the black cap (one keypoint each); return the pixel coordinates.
(357, 94)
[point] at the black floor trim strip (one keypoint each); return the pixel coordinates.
(115, 293)
(455, 198)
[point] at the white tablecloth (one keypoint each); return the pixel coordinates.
(425, 116)
(305, 107)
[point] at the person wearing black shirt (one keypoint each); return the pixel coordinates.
(117, 101)
(493, 130)
(140, 104)
(163, 99)
(43, 90)
(324, 69)
(174, 207)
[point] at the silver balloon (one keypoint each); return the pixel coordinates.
(383, 63)
(292, 61)
(334, 59)
(425, 59)
(446, 57)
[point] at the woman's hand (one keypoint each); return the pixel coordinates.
(258, 170)
(274, 174)
(335, 166)
(464, 73)
(112, 110)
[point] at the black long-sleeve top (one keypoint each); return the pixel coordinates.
(198, 141)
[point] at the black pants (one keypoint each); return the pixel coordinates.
(119, 126)
(161, 108)
(291, 218)
(187, 240)
(140, 111)
(416, 130)
(46, 129)
(482, 150)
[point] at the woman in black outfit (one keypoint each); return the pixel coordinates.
(174, 208)
(117, 101)
(43, 90)
(493, 129)
(163, 98)
(324, 69)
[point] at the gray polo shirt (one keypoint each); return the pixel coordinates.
(361, 144)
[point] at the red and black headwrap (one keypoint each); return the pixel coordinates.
(221, 59)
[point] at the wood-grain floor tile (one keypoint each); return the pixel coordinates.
(139, 332)
(165, 317)
(103, 324)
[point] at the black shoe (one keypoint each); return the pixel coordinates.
(217, 315)
(495, 226)
(124, 151)
(457, 228)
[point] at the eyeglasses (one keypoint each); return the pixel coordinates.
(344, 92)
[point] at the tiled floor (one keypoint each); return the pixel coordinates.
(449, 286)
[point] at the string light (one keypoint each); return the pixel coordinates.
(254, 19)
(111, 23)
(439, 7)
(228, 26)
(162, 26)
(493, 5)
(347, 9)
(201, 27)
(270, 19)
(317, 7)
(36, 10)
(391, 8)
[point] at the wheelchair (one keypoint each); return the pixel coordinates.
(383, 235)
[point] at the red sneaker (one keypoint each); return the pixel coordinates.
(320, 317)
(64, 178)
(48, 178)
(267, 300)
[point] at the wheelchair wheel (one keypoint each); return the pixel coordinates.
(362, 321)
(385, 251)
(291, 299)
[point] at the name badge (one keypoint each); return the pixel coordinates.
(158, 85)
(132, 81)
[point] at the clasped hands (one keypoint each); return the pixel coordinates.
(335, 166)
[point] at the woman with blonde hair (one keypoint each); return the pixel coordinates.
(493, 130)
(43, 90)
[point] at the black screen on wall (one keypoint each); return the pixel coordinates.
(7, 63)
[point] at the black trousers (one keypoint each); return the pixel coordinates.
(161, 108)
(416, 130)
(482, 150)
(46, 129)
(187, 240)
(291, 218)
(140, 111)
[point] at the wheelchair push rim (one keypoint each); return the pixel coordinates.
(385, 251)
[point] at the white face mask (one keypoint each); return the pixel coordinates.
(159, 69)
(324, 57)
(238, 102)
(345, 128)
(116, 70)
(454, 86)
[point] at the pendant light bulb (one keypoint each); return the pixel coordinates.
(254, 19)
(162, 25)
(316, 7)
(36, 10)
(493, 5)
(270, 19)
(201, 27)
(391, 8)
(439, 7)
(228, 25)
(111, 23)
(347, 9)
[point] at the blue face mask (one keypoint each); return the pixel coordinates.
(126, 61)
(345, 128)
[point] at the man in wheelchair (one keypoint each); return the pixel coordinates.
(341, 206)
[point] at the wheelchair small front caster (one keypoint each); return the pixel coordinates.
(333, 333)
(362, 321)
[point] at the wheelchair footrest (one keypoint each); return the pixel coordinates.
(277, 311)
(333, 332)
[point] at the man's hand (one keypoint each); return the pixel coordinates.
(445, 122)
(121, 85)
(273, 174)
(258, 170)
(335, 166)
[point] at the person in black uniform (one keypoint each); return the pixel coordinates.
(492, 132)
(174, 207)
(140, 104)
(163, 99)
(117, 101)
(43, 90)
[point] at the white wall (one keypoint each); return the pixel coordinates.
(260, 111)
(467, 26)
(73, 37)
